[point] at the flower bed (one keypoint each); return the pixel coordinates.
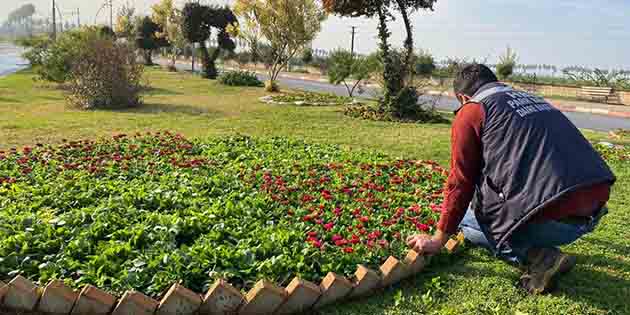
(371, 112)
(613, 153)
(141, 212)
(308, 99)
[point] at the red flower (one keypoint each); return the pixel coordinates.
(337, 212)
(423, 227)
(348, 250)
(436, 208)
(307, 198)
(431, 222)
(364, 219)
(317, 244)
(341, 243)
(329, 226)
(312, 234)
(383, 243)
(337, 237)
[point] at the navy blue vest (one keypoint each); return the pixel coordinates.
(532, 156)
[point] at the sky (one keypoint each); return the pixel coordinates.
(560, 32)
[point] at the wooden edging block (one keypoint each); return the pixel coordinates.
(135, 303)
(57, 298)
(179, 301)
(365, 281)
(3, 290)
(393, 271)
(93, 301)
(301, 296)
(414, 262)
(454, 244)
(264, 298)
(221, 299)
(21, 295)
(334, 288)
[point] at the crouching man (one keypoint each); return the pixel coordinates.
(523, 180)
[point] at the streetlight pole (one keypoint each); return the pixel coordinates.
(354, 31)
(111, 14)
(54, 21)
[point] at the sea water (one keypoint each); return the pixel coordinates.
(11, 59)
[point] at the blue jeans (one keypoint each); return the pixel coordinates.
(531, 235)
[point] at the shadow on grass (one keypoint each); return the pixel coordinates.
(9, 100)
(595, 287)
(154, 108)
(155, 91)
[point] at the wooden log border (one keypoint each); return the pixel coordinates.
(20, 294)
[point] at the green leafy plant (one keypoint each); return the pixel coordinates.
(143, 211)
(240, 78)
(304, 98)
(507, 64)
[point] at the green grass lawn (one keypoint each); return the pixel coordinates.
(471, 282)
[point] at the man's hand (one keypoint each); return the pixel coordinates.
(426, 244)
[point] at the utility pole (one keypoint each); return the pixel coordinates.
(111, 14)
(78, 17)
(54, 21)
(354, 31)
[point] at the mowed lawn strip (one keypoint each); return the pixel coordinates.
(32, 112)
(469, 283)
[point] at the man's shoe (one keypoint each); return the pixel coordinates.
(543, 265)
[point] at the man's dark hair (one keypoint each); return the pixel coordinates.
(471, 78)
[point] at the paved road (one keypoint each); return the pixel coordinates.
(581, 120)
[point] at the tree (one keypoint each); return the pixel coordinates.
(175, 35)
(343, 66)
(507, 63)
(161, 13)
(22, 18)
(125, 26)
(286, 25)
(307, 56)
(147, 38)
(169, 18)
(197, 25)
(425, 64)
(397, 74)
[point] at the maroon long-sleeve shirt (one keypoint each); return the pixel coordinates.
(466, 164)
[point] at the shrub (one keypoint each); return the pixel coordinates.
(54, 60)
(425, 64)
(106, 75)
(507, 63)
(240, 78)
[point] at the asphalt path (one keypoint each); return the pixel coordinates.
(581, 120)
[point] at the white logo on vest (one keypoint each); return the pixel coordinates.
(526, 104)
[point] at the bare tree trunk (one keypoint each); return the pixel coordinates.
(409, 40)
